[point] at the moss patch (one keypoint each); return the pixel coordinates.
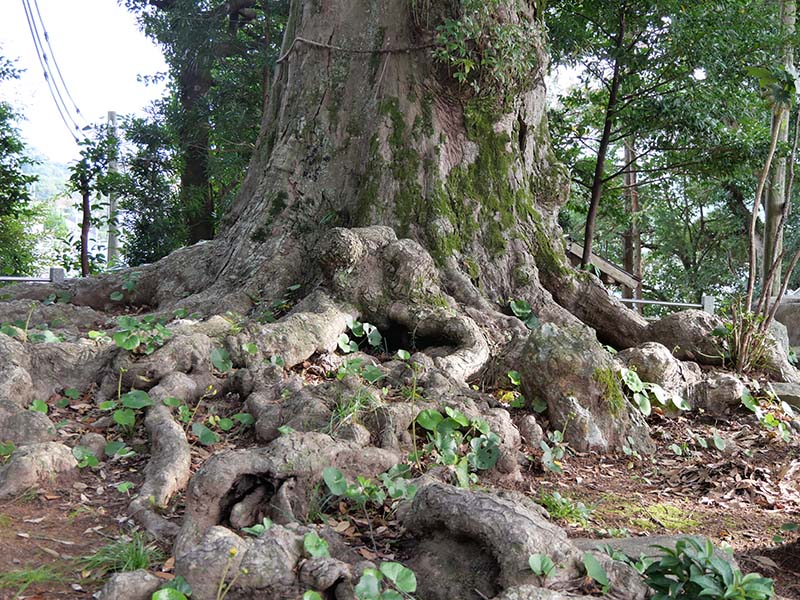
(607, 378)
(664, 516)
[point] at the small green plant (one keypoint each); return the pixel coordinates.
(84, 457)
(362, 332)
(347, 410)
(143, 336)
(513, 397)
(126, 554)
(222, 589)
(129, 283)
(773, 414)
(553, 453)
(125, 487)
(456, 441)
(522, 310)
(485, 53)
(743, 339)
(391, 581)
(279, 307)
(785, 528)
(125, 408)
(177, 589)
(693, 570)
(6, 450)
(221, 360)
(563, 508)
(39, 406)
(392, 485)
(541, 565)
(596, 572)
(644, 395)
(258, 529)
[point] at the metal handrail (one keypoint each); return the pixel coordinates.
(57, 275)
(707, 303)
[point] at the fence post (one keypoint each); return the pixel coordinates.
(709, 303)
(56, 275)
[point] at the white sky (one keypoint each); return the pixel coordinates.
(100, 51)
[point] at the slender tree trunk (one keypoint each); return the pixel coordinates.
(196, 197)
(777, 195)
(86, 225)
(602, 151)
(632, 252)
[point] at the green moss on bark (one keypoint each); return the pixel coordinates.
(607, 378)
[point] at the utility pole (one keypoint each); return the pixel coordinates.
(113, 167)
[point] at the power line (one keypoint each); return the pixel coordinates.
(40, 54)
(55, 62)
(49, 68)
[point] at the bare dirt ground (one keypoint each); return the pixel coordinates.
(732, 481)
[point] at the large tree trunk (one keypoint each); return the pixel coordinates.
(367, 139)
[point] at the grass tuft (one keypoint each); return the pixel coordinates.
(126, 554)
(22, 579)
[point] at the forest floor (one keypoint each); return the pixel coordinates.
(730, 480)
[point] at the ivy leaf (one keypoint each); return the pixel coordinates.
(168, 594)
(315, 546)
(225, 424)
(403, 578)
(514, 377)
(520, 308)
(643, 402)
(595, 570)
(136, 399)
(245, 419)
(126, 340)
(117, 448)
(541, 564)
(719, 443)
(748, 401)
(221, 360)
(429, 419)
(204, 434)
(116, 296)
(335, 481)
(369, 587)
(39, 406)
(125, 417)
(457, 416)
(250, 348)
(403, 354)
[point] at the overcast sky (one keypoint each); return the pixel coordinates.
(101, 53)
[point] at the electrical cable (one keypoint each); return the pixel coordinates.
(49, 69)
(55, 62)
(43, 63)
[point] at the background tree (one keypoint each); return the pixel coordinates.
(18, 253)
(700, 124)
(218, 56)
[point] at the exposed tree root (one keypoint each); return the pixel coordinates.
(168, 470)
